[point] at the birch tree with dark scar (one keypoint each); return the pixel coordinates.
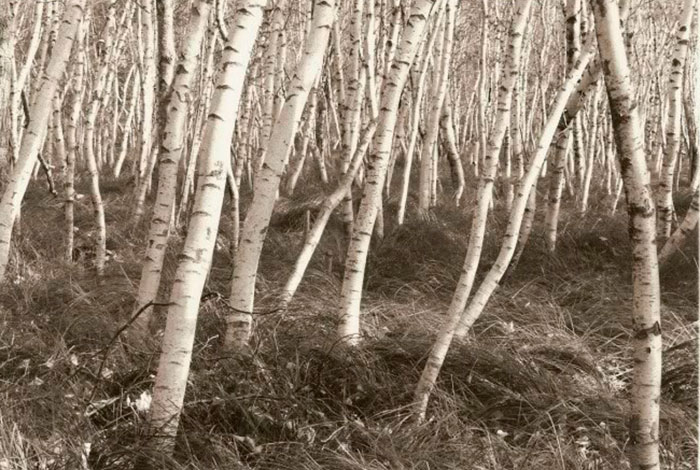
(646, 340)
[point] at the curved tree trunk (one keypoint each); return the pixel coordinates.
(457, 317)
(351, 294)
(239, 321)
(195, 260)
(521, 12)
(170, 154)
(31, 144)
(327, 208)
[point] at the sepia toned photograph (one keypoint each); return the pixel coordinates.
(349, 234)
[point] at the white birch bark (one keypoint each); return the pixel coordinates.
(195, 260)
(31, 144)
(457, 317)
(646, 341)
(239, 321)
(351, 294)
(170, 154)
(664, 204)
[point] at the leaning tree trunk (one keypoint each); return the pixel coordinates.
(170, 153)
(521, 11)
(646, 340)
(456, 316)
(327, 208)
(676, 241)
(267, 180)
(351, 294)
(40, 111)
(195, 260)
(418, 85)
(664, 204)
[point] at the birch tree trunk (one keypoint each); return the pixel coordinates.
(521, 11)
(170, 154)
(681, 234)
(351, 294)
(414, 116)
(7, 47)
(72, 145)
(433, 121)
(148, 89)
(457, 318)
(327, 208)
(31, 144)
(646, 341)
(267, 180)
(357, 82)
(195, 260)
(664, 205)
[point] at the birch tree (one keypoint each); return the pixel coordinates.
(457, 317)
(7, 47)
(171, 149)
(646, 339)
(351, 293)
(40, 111)
(664, 203)
(195, 260)
(267, 180)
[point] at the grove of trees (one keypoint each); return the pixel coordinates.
(196, 126)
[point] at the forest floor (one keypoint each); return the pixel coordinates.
(542, 383)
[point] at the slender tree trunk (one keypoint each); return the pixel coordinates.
(72, 144)
(351, 294)
(239, 321)
(457, 318)
(646, 341)
(355, 94)
(679, 237)
(592, 150)
(7, 54)
(195, 260)
(147, 157)
(521, 11)
(124, 147)
(414, 119)
(429, 163)
(327, 208)
(170, 154)
(31, 144)
(664, 205)
(448, 132)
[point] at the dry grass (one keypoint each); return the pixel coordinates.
(542, 382)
